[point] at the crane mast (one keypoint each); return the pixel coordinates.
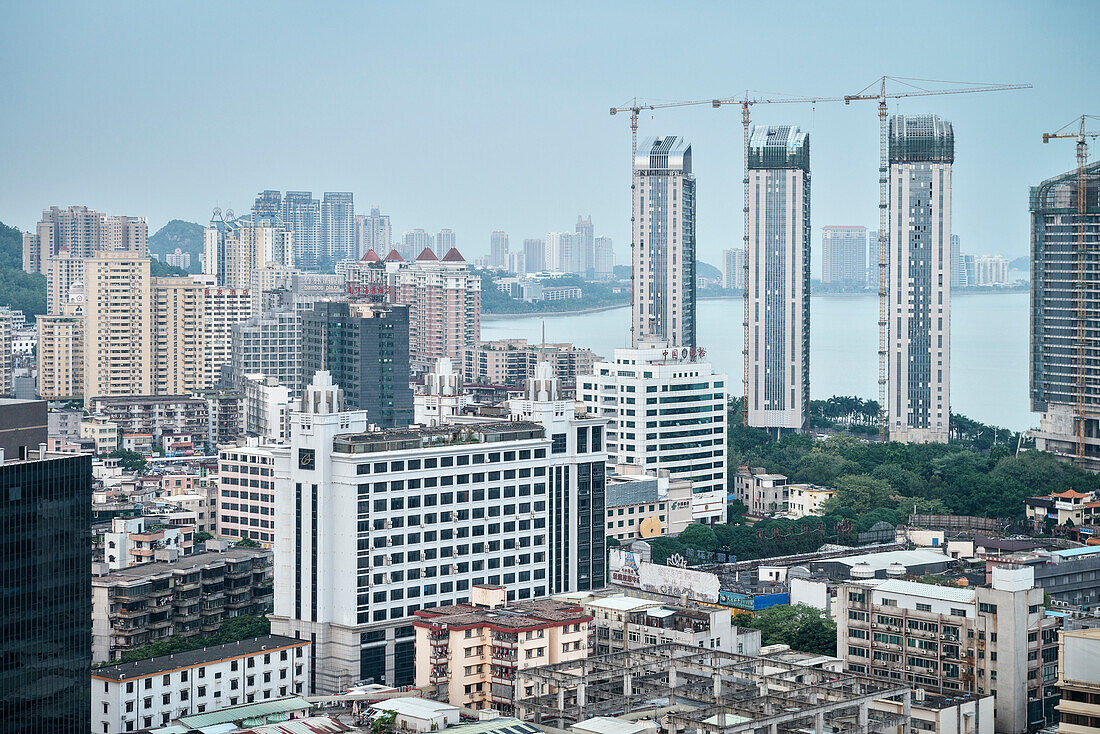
(1081, 340)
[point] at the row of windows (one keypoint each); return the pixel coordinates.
(382, 467)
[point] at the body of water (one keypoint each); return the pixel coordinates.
(989, 347)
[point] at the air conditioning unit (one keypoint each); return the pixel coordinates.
(388, 524)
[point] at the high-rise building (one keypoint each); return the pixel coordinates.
(373, 232)
(777, 394)
(733, 269)
(562, 252)
(413, 243)
(844, 255)
(178, 335)
(1078, 681)
(366, 347)
(302, 216)
(1065, 352)
(117, 326)
(444, 242)
(268, 344)
(534, 255)
(338, 226)
(664, 243)
(64, 278)
(83, 232)
(958, 269)
(686, 433)
(353, 565)
(604, 253)
(872, 259)
(586, 246)
(498, 250)
(988, 270)
(956, 641)
(222, 309)
(268, 203)
(235, 249)
(178, 259)
(922, 149)
(444, 302)
(45, 616)
(60, 356)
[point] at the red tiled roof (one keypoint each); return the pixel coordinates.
(370, 257)
(426, 255)
(394, 257)
(453, 256)
(1070, 494)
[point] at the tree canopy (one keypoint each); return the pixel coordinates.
(804, 628)
(231, 630)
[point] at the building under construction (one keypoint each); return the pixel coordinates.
(1065, 316)
(693, 689)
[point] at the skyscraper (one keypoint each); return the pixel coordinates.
(778, 290)
(498, 250)
(413, 243)
(958, 268)
(562, 252)
(534, 255)
(82, 232)
(1065, 352)
(302, 215)
(604, 263)
(373, 232)
(117, 326)
(922, 149)
(733, 269)
(586, 246)
(844, 255)
(872, 259)
(664, 243)
(46, 609)
(365, 346)
(338, 226)
(234, 249)
(444, 241)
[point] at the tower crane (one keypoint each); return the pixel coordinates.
(1080, 287)
(911, 88)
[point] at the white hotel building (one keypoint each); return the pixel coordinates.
(374, 526)
(666, 411)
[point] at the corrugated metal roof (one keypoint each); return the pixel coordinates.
(879, 561)
(503, 725)
(931, 591)
(247, 711)
(1075, 552)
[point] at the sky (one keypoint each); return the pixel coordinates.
(495, 115)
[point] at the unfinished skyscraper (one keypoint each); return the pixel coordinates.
(1065, 334)
(664, 243)
(922, 149)
(777, 386)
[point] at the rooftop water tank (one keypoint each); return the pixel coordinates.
(895, 570)
(862, 570)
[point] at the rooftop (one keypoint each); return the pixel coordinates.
(502, 725)
(184, 564)
(191, 658)
(620, 603)
(247, 711)
(928, 591)
(419, 707)
(518, 615)
(411, 439)
(881, 561)
(1087, 550)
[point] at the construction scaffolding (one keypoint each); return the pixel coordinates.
(691, 689)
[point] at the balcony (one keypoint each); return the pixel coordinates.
(439, 656)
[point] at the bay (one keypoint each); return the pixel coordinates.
(989, 347)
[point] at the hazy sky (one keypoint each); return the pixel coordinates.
(483, 115)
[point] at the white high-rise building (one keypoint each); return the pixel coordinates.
(534, 255)
(373, 232)
(444, 242)
(844, 255)
(374, 526)
(733, 269)
(498, 250)
(667, 410)
(604, 255)
(586, 246)
(777, 392)
(664, 243)
(413, 243)
(562, 252)
(922, 149)
(234, 249)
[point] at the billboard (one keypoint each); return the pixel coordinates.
(628, 570)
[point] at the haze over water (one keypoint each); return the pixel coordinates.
(989, 347)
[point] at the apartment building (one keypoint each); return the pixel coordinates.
(1064, 508)
(151, 693)
(223, 308)
(266, 407)
(118, 357)
(644, 504)
(986, 640)
(83, 232)
(60, 356)
(246, 491)
(804, 500)
(234, 249)
(468, 654)
(623, 622)
(511, 362)
(135, 540)
(371, 527)
(761, 492)
(268, 344)
(1079, 681)
(135, 606)
(160, 416)
(178, 334)
(667, 410)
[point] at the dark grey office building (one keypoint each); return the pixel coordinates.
(1065, 334)
(45, 585)
(366, 348)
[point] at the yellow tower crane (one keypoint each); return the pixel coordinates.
(1081, 414)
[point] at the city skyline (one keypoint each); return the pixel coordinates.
(166, 173)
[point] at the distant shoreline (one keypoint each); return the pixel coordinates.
(551, 314)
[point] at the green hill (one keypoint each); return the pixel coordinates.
(705, 270)
(18, 290)
(187, 236)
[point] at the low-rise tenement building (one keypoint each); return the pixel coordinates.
(623, 622)
(135, 540)
(135, 606)
(646, 505)
(154, 692)
(246, 491)
(990, 640)
(157, 415)
(804, 500)
(761, 492)
(468, 654)
(1079, 681)
(1061, 508)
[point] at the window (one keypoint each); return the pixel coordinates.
(558, 443)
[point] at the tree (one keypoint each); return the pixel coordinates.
(860, 493)
(698, 536)
(247, 543)
(130, 461)
(804, 628)
(241, 628)
(202, 536)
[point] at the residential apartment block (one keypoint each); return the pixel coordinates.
(269, 344)
(511, 362)
(844, 255)
(468, 654)
(152, 693)
(135, 606)
(83, 232)
(986, 640)
(246, 492)
(1079, 681)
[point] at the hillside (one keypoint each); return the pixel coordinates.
(188, 236)
(18, 289)
(706, 270)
